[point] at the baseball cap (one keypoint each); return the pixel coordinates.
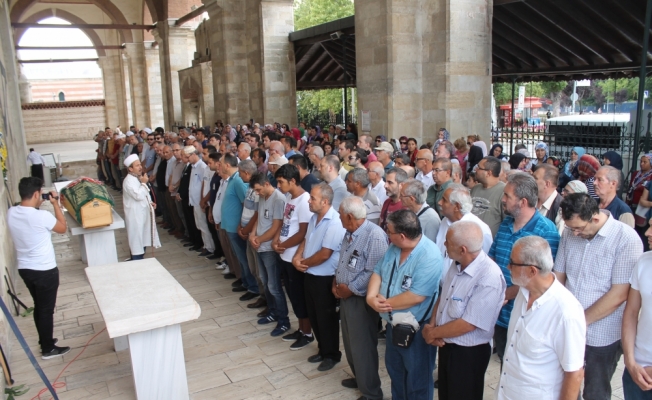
(385, 146)
(279, 161)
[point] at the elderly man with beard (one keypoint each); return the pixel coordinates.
(139, 210)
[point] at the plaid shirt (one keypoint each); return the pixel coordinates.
(501, 249)
(593, 266)
(369, 242)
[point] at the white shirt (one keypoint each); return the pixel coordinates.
(425, 179)
(641, 280)
(296, 212)
(219, 198)
(196, 179)
(208, 176)
(487, 237)
(542, 343)
(379, 191)
(35, 158)
(30, 230)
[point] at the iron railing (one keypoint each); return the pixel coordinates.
(323, 120)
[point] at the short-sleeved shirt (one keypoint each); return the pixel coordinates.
(641, 280)
(269, 209)
(339, 192)
(250, 206)
(359, 254)
(592, 266)
(487, 204)
(419, 274)
(196, 179)
(379, 191)
(542, 343)
(328, 233)
(487, 237)
(30, 230)
(219, 199)
(234, 196)
(501, 249)
(426, 179)
(295, 212)
(475, 295)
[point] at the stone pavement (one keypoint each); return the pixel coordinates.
(227, 354)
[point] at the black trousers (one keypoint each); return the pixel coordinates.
(37, 171)
(43, 286)
(321, 306)
(193, 233)
(461, 371)
(293, 281)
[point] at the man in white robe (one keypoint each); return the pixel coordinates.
(139, 210)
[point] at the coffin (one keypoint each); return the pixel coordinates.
(88, 202)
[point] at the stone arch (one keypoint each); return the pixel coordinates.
(110, 9)
(73, 19)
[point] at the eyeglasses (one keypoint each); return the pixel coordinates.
(577, 230)
(352, 158)
(378, 141)
(512, 263)
(403, 142)
(438, 170)
(482, 169)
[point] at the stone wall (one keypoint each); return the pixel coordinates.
(63, 122)
(47, 90)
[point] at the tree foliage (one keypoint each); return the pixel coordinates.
(308, 13)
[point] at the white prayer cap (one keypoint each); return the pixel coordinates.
(279, 161)
(130, 133)
(121, 136)
(191, 137)
(189, 150)
(147, 130)
(130, 160)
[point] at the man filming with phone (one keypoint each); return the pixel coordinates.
(30, 229)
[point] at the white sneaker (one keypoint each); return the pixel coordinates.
(220, 266)
(226, 269)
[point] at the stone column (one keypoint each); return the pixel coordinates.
(207, 100)
(139, 87)
(154, 88)
(24, 87)
(279, 84)
(176, 49)
(253, 69)
(424, 64)
(126, 78)
(115, 93)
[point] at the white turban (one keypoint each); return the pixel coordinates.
(147, 130)
(130, 160)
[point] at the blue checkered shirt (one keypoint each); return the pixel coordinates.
(369, 243)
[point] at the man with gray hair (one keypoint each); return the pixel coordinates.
(317, 257)
(547, 177)
(413, 197)
(456, 205)
(244, 151)
(522, 219)
(329, 171)
(552, 364)
(377, 184)
(194, 197)
(446, 150)
(357, 183)
(463, 319)
(362, 247)
(315, 156)
(606, 184)
(423, 164)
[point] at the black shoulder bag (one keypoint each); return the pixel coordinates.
(403, 334)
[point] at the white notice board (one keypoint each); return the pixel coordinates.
(366, 121)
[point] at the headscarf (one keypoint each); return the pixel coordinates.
(576, 187)
(296, 133)
(447, 136)
(515, 160)
(570, 165)
(494, 147)
(587, 166)
(641, 177)
(615, 160)
(544, 146)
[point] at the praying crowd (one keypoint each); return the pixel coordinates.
(448, 252)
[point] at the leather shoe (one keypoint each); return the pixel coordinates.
(204, 253)
(327, 364)
(230, 275)
(178, 235)
(248, 296)
(239, 289)
(238, 282)
(263, 313)
(316, 358)
(350, 383)
(189, 244)
(195, 248)
(261, 302)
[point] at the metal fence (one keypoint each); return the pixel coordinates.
(595, 138)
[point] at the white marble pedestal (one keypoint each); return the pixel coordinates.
(142, 301)
(97, 244)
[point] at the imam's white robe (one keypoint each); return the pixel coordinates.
(139, 216)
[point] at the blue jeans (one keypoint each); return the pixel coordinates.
(410, 369)
(240, 249)
(631, 389)
(269, 270)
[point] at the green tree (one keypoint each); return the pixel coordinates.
(308, 13)
(553, 91)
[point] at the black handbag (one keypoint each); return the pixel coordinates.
(403, 334)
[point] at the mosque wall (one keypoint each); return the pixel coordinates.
(63, 122)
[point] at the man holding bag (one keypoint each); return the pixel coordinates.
(404, 287)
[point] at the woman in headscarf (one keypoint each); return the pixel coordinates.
(587, 166)
(639, 179)
(518, 161)
(541, 152)
(567, 174)
(570, 188)
(442, 135)
(497, 151)
(614, 159)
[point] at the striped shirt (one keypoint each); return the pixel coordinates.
(593, 266)
(501, 249)
(359, 254)
(475, 295)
